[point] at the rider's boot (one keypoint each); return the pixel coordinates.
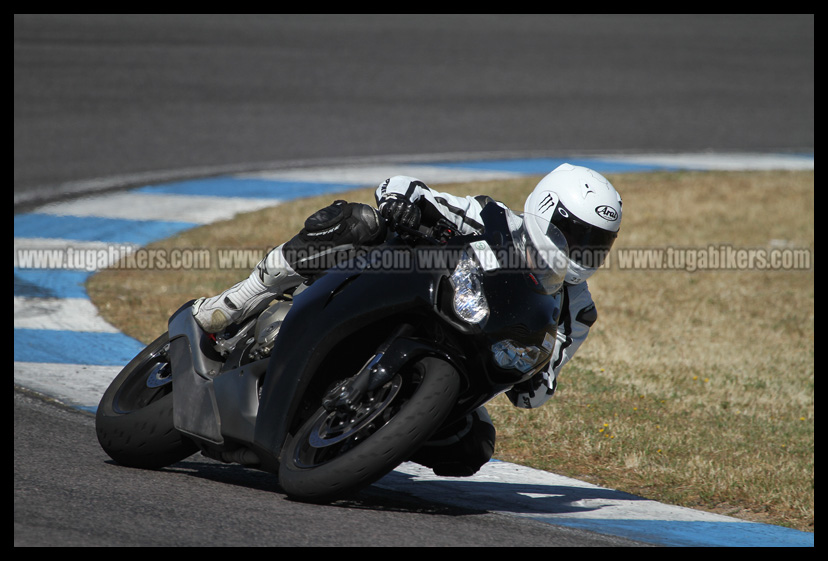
(460, 449)
(271, 278)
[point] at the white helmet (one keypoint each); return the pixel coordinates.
(585, 207)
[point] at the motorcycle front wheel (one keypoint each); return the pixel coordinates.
(134, 421)
(336, 453)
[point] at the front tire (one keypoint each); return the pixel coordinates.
(134, 421)
(335, 454)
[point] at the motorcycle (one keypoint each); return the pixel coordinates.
(333, 386)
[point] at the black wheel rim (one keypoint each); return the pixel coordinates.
(330, 434)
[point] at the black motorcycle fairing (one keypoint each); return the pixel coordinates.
(530, 318)
(346, 301)
(216, 402)
(340, 321)
(523, 312)
(194, 364)
(322, 318)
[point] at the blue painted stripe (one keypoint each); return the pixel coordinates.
(50, 283)
(248, 188)
(542, 166)
(94, 228)
(681, 533)
(74, 347)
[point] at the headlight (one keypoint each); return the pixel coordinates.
(510, 355)
(469, 301)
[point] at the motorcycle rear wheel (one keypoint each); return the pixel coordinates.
(335, 454)
(134, 421)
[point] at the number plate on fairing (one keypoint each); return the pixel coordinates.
(485, 256)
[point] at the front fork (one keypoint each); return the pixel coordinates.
(375, 373)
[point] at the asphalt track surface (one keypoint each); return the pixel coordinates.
(99, 100)
(107, 102)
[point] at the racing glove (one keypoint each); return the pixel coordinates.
(400, 210)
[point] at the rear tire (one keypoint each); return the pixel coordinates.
(134, 421)
(335, 454)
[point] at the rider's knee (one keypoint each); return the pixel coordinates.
(331, 234)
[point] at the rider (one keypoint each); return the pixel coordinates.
(579, 201)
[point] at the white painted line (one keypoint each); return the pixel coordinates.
(514, 490)
(64, 314)
(164, 207)
(373, 175)
(720, 162)
(72, 384)
(511, 488)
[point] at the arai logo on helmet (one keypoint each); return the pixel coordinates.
(607, 213)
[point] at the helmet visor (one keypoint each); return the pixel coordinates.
(588, 245)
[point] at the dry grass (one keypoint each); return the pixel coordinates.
(694, 388)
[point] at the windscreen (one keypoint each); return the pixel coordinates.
(547, 255)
